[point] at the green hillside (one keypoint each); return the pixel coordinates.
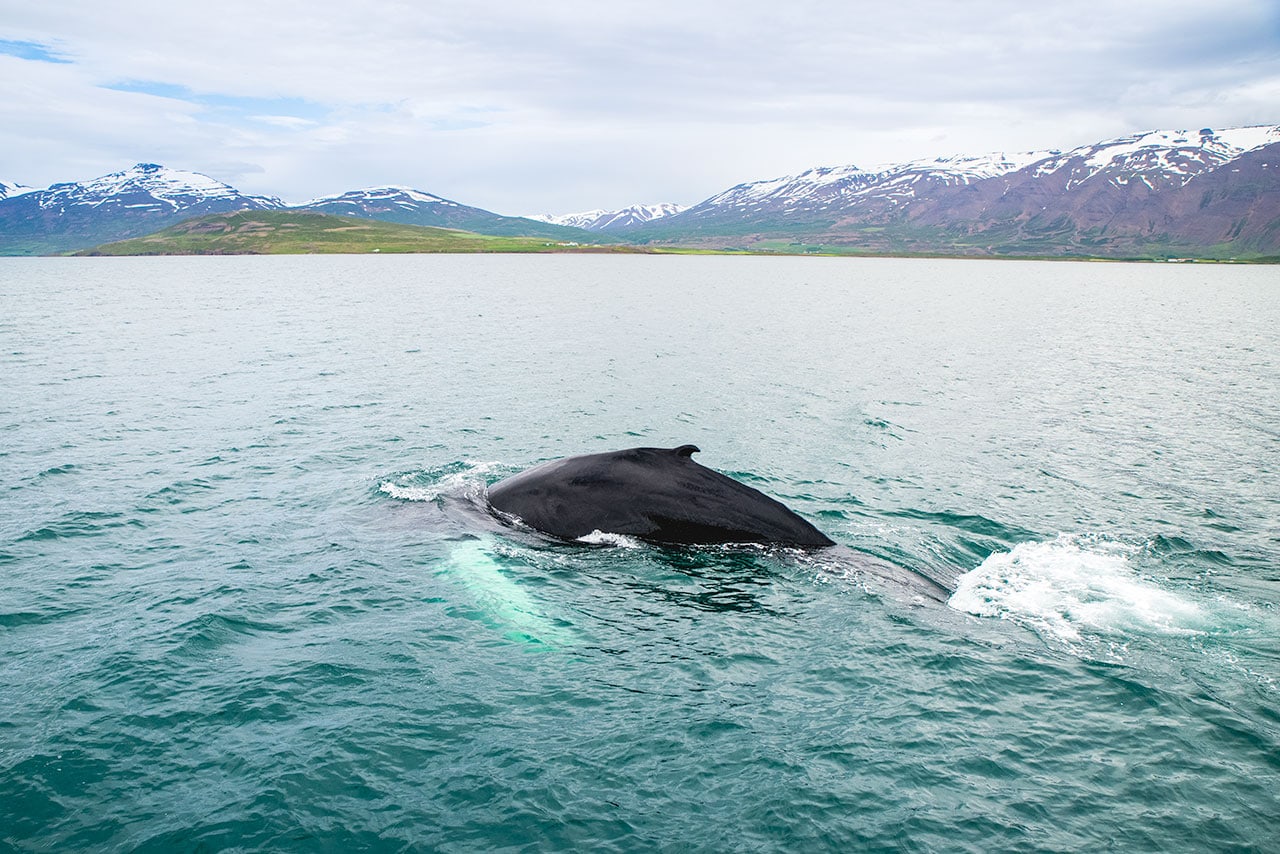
(304, 233)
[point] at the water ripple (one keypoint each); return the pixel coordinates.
(254, 598)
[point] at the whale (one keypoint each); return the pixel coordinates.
(658, 495)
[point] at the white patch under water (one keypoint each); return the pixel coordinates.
(504, 602)
(1074, 585)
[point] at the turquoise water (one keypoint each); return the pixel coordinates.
(253, 599)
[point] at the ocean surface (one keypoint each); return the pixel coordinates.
(253, 597)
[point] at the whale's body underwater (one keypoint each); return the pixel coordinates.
(655, 494)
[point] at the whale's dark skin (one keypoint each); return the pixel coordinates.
(656, 494)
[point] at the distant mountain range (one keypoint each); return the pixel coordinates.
(150, 197)
(1204, 193)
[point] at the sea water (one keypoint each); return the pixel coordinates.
(253, 597)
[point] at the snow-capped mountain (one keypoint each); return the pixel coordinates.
(377, 200)
(134, 202)
(1108, 197)
(408, 206)
(8, 190)
(832, 187)
(817, 188)
(151, 186)
(611, 220)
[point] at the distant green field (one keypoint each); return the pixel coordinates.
(299, 233)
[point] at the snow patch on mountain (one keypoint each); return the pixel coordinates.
(835, 186)
(405, 197)
(606, 220)
(1170, 157)
(1249, 138)
(9, 189)
(965, 169)
(1223, 145)
(824, 181)
(830, 187)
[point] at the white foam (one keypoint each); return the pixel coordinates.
(410, 493)
(468, 482)
(600, 538)
(1071, 585)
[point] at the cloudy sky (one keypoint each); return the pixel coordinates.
(565, 105)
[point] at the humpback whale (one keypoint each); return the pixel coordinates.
(659, 495)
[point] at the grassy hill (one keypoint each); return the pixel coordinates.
(305, 233)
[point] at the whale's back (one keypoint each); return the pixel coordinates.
(656, 494)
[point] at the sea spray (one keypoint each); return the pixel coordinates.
(462, 479)
(1073, 584)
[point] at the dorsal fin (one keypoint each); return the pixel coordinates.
(686, 450)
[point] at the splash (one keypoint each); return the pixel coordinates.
(1072, 586)
(467, 479)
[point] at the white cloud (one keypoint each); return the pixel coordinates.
(286, 122)
(569, 105)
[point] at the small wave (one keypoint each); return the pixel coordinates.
(1073, 584)
(79, 523)
(970, 523)
(410, 493)
(600, 538)
(54, 470)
